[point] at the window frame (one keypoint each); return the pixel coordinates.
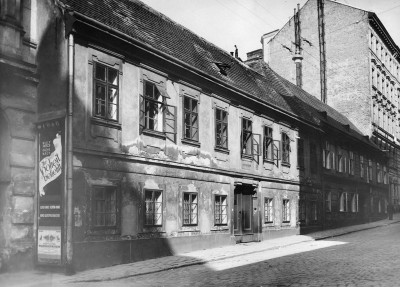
(219, 210)
(268, 210)
(107, 85)
(153, 202)
(93, 207)
(190, 215)
(268, 144)
(285, 149)
(285, 210)
(191, 113)
(223, 124)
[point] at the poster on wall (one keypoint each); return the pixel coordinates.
(50, 187)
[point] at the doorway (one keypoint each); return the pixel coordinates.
(244, 214)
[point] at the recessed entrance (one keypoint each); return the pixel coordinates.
(243, 215)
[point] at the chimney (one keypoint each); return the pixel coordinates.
(297, 58)
(265, 46)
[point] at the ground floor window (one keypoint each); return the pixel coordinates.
(190, 208)
(153, 202)
(328, 202)
(220, 210)
(354, 202)
(104, 207)
(286, 210)
(314, 211)
(268, 211)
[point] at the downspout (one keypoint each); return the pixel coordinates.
(69, 246)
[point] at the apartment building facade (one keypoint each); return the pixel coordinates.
(361, 71)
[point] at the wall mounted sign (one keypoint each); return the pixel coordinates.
(50, 185)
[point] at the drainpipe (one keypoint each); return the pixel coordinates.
(69, 212)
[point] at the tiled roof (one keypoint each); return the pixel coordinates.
(140, 22)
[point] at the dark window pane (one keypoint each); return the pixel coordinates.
(100, 72)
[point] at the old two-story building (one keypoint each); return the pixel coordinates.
(152, 141)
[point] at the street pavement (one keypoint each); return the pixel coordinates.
(203, 265)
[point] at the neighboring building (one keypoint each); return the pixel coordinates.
(18, 110)
(152, 141)
(362, 70)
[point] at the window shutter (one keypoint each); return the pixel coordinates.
(141, 114)
(170, 122)
(275, 151)
(256, 146)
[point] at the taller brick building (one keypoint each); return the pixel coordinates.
(362, 69)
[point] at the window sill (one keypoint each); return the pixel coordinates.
(247, 156)
(154, 133)
(106, 123)
(223, 227)
(191, 142)
(269, 161)
(221, 150)
(285, 164)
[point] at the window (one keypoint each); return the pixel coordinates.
(300, 153)
(285, 149)
(328, 202)
(250, 141)
(362, 167)
(104, 207)
(314, 211)
(191, 119)
(247, 143)
(385, 175)
(220, 211)
(328, 157)
(268, 210)
(354, 202)
(351, 163)
(370, 170)
(221, 128)
(313, 158)
(190, 208)
(286, 210)
(268, 144)
(378, 173)
(105, 92)
(153, 202)
(344, 202)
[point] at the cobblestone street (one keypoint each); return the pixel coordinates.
(366, 258)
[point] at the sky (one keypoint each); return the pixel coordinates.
(226, 23)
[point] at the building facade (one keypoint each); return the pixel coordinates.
(361, 70)
(147, 141)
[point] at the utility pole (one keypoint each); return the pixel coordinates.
(297, 58)
(322, 51)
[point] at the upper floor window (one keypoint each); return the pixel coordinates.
(220, 210)
(300, 153)
(190, 208)
(351, 163)
(362, 167)
(221, 128)
(285, 149)
(190, 119)
(105, 92)
(249, 142)
(328, 157)
(313, 158)
(379, 176)
(370, 170)
(153, 202)
(155, 114)
(268, 150)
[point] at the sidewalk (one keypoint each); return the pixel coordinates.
(39, 278)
